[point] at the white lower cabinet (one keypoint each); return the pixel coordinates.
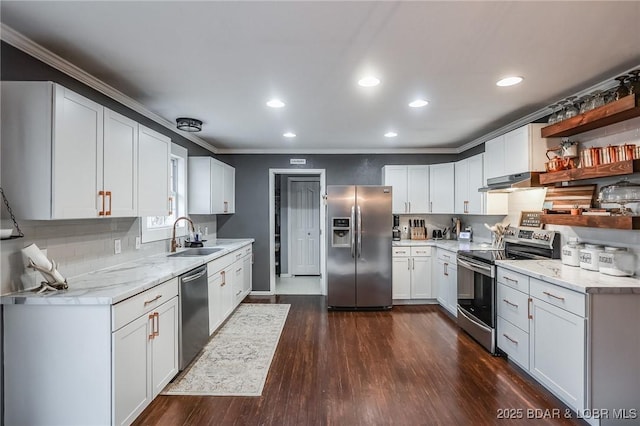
(93, 364)
(411, 273)
(445, 277)
(547, 338)
(230, 281)
(145, 359)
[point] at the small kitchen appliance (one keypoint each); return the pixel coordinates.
(395, 232)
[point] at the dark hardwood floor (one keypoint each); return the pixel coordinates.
(407, 366)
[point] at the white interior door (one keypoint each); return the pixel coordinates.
(304, 234)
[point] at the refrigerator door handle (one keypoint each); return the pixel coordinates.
(352, 231)
(359, 224)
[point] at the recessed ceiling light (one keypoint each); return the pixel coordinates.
(275, 103)
(390, 135)
(289, 135)
(369, 81)
(418, 103)
(509, 81)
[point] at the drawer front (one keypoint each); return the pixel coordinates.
(247, 250)
(513, 306)
(447, 256)
(514, 342)
(421, 251)
(401, 251)
(561, 297)
(128, 310)
(236, 255)
(514, 280)
(218, 264)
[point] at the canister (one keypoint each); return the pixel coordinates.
(571, 253)
(589, 256)
(616, 261)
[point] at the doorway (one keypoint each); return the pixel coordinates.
(297, 217)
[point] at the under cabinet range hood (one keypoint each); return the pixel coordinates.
(510, 183)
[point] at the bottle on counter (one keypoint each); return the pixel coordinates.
(589, 256)
(571, 252)
(616, 261)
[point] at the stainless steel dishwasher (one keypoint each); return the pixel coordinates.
(194, 314)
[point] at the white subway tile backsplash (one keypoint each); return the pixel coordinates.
(78, 247)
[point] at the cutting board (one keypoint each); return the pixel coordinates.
(564, 198)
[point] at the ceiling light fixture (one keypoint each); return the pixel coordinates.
(418, 103)
(289, 135)
(509, 81)
(369, 81)
(188, 124)
(275, 103)
(390, 135)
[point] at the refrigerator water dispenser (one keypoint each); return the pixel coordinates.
(340, 232)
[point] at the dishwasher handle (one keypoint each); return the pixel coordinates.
(194, 277)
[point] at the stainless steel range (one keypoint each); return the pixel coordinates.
(477, 279)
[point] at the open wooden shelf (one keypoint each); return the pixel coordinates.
(611, 113)
(618, 168)
(611, 222)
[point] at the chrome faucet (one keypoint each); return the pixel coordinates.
(174, 243)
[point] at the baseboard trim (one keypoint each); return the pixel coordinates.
(261, 293)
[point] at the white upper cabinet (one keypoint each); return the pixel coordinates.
(441, 188)
(67, 157)
(120, 164)
(154, 153)
(520, 150)
(468, 178)
(52, 151)
(211, 186)
(410, 185)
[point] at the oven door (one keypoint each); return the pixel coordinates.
(477, 300)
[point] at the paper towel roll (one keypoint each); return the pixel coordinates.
(39, 259)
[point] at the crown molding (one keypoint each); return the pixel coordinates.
(21, 42)
(339, 151)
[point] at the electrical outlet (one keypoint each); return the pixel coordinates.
(117, 247)
(206, 230)
(137, 243)
(405, 228)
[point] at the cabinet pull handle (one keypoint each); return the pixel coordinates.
(553, 295)
(238, 256)
(431, 206)
(408, 263)
(409, 206)
(226, 206)
(238, 270)
(446, 267)
(510, 279)
(413, 263)
(101, 194)
(224, 278)
(157, 321)
(529, 301)
(170, 206)
(447, 256)
(146, 302)
(238, 293)
(108, 194)
(509, 338)
(152, 334)
(509, 303)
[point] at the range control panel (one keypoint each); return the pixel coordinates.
(536, 236)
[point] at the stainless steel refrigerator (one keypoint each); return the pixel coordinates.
(359, 246)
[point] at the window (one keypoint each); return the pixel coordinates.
(157, 228)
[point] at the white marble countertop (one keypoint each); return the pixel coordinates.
(572, 277)
(114, 284)
(451, 245)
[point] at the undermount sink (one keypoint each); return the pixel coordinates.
(198, 251)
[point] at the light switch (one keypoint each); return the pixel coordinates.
(117, 247)
(137, 243)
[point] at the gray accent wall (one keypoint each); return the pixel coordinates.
(251, 219)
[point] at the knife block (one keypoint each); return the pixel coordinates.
(417, 233)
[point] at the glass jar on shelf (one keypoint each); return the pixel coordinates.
(570, 109)
(554, 116)
(622, 90)
(585, 103)
(634, 81)
(560, 115)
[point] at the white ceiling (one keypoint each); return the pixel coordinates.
(221, 61)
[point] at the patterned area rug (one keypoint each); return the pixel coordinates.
(236, 361)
